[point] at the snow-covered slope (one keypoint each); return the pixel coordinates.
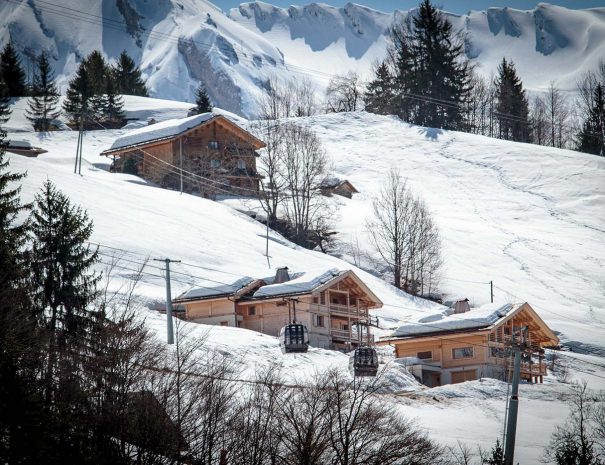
(179, 43)
(528, 217)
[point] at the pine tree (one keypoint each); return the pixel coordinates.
(61, 261)
(11, 71)
(77, 98)
(432, 75)
(202, 101)
(512, 108)
(497, 455)
(98, 74)
(5, 109)
(127, 77)
(113, 111)
(379, 92)
(43, 102)
(13, 235)
(591, 138)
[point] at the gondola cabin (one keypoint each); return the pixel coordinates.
(364, 362)
(294, 338)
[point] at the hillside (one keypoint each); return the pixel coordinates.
(527, 217)
(179, 43)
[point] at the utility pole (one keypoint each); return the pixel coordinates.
(167, 261)
(513, 408)
(491, 290)
(181, 160)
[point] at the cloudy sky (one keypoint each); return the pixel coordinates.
(454, 6)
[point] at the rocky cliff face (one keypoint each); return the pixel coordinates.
(179, 43)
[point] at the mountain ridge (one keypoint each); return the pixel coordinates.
(180, 43)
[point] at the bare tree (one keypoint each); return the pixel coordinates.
(540, 120)
(404, 234)
(303, 163)
(389, 227)
(579, 440)
(558, 113)
(344, 93)
(284, 99)
(365, 430)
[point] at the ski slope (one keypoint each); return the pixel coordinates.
(529, 218)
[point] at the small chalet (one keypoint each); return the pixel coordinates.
(23, 147)
(333, 304)
(335, 186)
(217, 156)
(456, 347)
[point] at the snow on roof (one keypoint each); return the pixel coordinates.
(302, 283)
(162, 130)
(477, 318)
(212, 289)
(22, 144)
(331, 181)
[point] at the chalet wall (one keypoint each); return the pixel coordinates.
(211, 312)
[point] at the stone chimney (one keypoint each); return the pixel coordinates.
(281, 275)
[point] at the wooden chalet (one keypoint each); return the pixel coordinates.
(335, 186)
(444, 349)
(333, 304)
(22, 147)
(216, 155)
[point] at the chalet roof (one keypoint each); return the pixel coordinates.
(332, 182)
(478, 318)
(212, 290)
(163, 130)
(171, 128)
(302, 283)
(484, 317)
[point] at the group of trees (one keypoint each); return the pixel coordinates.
(294, 164)
(93, 96)
(405, 236)
(83, 381)
(591, 137)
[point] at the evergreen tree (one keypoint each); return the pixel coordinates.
(591, 138)
(202, 101)
(43, 102)
(512, 108)
(77, 98)
(113, 110)
(127, 77)
(432, 75)
(98, 74)
(5, 109)
(379, 92)
(497, 455)
(61, 258)
(11, 71)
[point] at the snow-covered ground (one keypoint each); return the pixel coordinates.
(528, 217)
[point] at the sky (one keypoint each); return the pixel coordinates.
(453, 6)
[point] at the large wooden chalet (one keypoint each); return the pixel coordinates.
(333, 304)
(443, 349)
(209, 153)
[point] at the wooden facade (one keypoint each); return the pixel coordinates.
(454, 356)
(216, 157)
(334, 312)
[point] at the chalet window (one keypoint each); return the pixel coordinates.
(462, 352)
(252, 310)
(322, 298)
(345, 327)
(426, 355)
(241, 164)
(224, 323)
(213, 144)
(315, 299)
(318, 320)
(215, 163)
